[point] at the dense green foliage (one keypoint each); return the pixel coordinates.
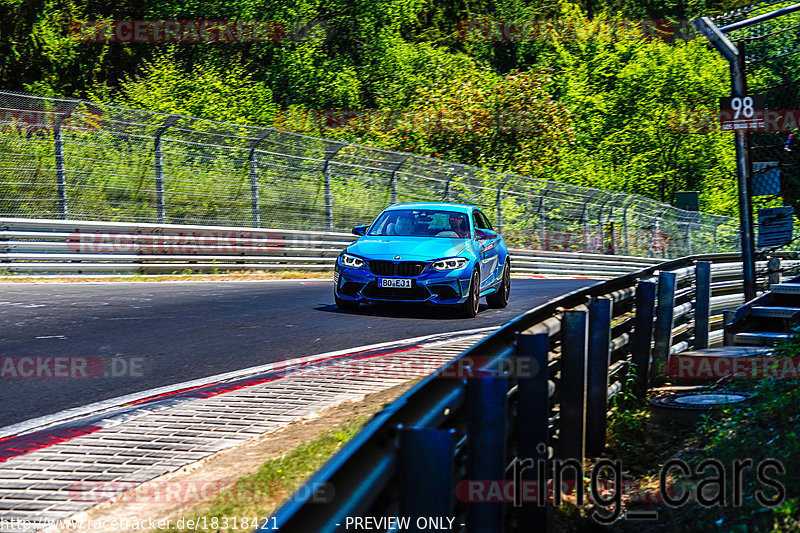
(593, 109)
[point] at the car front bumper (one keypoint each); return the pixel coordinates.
(434, 287)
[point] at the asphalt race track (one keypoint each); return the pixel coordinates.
(168, 332)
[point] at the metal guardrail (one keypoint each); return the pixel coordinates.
(476, 420)
(54, 246)
(65, 158)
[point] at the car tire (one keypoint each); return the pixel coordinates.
(499, 299)
(469, 309)
(345, 305)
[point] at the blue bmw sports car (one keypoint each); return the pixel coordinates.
(439, 253)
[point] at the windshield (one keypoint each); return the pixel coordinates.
(421, 223)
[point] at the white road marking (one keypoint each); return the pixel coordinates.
(43, 422)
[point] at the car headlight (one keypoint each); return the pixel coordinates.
(451, 263)
(351, 261)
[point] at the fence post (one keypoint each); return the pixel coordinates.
(540, 212)
(159, 164)
(600, 310)
(665, 313)
(499, 203)
(702, 306)
(61, 171)
(326, 176)
(426, 473)
(601, 230)
(613, 233)
(625, 206)
(251, 158)
(689, 237)
(584, 224)
(448, 193)
(486, 434)
(656, 231)
(393, 179)
(572, 441)
(533, 432)
(642, 334)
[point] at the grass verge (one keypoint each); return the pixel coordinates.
(259, 494)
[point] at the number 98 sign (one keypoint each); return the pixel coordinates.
(741, 112)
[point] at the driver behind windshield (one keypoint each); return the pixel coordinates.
(458, 224)
(404, 225)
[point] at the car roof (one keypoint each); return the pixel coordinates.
(433, 205)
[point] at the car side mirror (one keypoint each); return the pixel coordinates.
(483, 234)
(360, 230)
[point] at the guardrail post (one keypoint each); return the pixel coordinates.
(665, 313)
(251, 158)
(702, 306)
(159, 165)
(425, 473)
(599, 360)
(326, 176)
(728, 338)
(773, 271)
(533, 432)
(61, 171)
(486, 434)
(572, 441)
(642, 334)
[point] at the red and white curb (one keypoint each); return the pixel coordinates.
(136, 438)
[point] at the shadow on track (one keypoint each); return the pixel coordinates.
(401, 310)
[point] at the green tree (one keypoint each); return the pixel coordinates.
(229, 95)
(627, 95)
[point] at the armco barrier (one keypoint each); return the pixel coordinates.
(468, 441)
(54, 246)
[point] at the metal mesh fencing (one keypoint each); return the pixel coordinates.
(72, 159)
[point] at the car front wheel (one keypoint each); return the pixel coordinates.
(470, 307)
(499, 299)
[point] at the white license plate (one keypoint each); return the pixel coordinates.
(395, 283)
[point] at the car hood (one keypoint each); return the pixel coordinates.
(409, 248)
